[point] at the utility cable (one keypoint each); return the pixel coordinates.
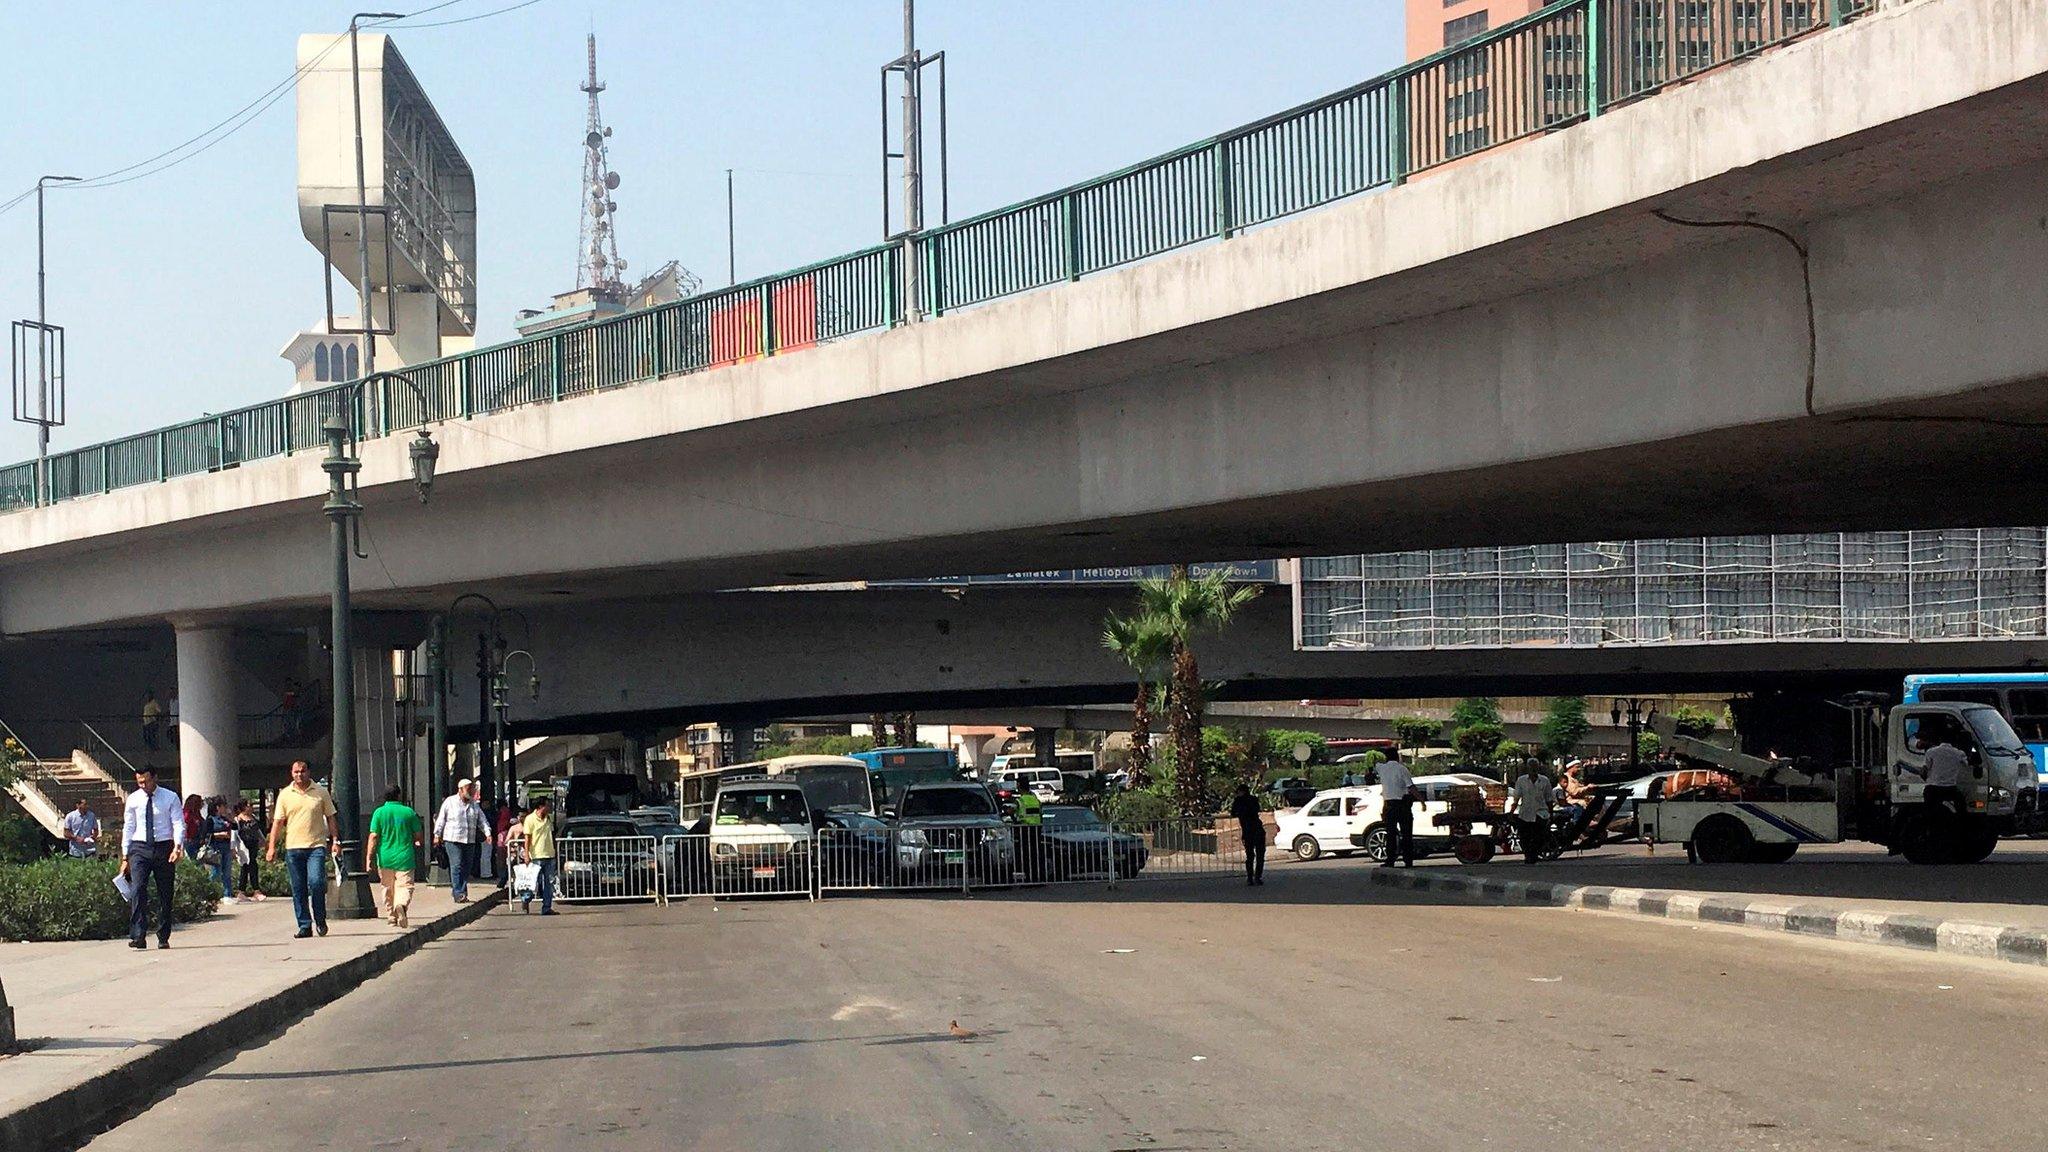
(1813, 336)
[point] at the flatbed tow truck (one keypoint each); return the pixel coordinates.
(1760, 810)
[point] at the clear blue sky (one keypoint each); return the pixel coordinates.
(179, 289)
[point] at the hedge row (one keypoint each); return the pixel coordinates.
(60, 898)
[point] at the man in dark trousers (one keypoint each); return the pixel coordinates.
(152, 839)
(1397, 812)
(1252, 825)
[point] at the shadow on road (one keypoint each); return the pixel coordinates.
(544, 1058)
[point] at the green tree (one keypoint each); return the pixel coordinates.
(1414, 732)
(1692, 720)
(1478, 741)
(1648, 745)
(1143, 644)
(1279, 748)
(1564, 725)
(1474, 710)
(1186, 606)
(1508, 752)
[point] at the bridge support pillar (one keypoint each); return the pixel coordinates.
(742, 741)
(209, 740)
(1045, 747)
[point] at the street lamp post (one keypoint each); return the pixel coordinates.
(1639, 712)
(46, 408)
(342, 511)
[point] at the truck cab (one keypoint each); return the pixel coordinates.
(1999, 788)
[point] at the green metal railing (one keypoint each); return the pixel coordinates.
(1548, 70)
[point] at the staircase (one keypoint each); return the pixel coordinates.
(49, 789)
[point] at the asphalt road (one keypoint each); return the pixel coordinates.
(1313, 1013)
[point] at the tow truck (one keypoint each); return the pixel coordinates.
(1760, 810)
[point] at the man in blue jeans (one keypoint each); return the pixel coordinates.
(459, 828)
(306, 821)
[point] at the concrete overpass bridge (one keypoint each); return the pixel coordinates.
(1531, 343)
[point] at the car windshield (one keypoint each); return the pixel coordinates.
(947, 802)
(1992, 730)
(601, 828)
(854, 820)
(1071, 818)
(768, 806)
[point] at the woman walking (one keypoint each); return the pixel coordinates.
(249, 842)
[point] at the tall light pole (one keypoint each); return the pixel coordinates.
(341, 510)
(731, 262)
(1638, 711)
(45, 407)
(913, 175)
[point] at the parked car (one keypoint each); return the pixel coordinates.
(1293, 791)
(1073, 841)
(604, 856)
(1346, 820)
(853, 849)
(1044, 783)
(946, 829)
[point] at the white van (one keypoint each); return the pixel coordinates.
(760, 837)
(1044, 783)
(1328, 822)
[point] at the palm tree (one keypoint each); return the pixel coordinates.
(1185, 606)
(1141, 642)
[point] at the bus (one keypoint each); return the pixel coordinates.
(894, 769)
(2021, 697)
(830, 783)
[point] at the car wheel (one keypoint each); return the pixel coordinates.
(1772, 853)
(1722, 840)
(1375, 843)
(1306, 848)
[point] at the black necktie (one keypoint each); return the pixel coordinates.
(149, 818)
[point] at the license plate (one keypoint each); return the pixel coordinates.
(764, 873)
(955, 857)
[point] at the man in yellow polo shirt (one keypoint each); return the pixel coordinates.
(539, 828)
(305, 819)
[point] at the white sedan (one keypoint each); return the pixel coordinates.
(1328, 822)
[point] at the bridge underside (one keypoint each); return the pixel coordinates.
(1522, 348)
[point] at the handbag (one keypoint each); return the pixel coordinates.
(525, 878)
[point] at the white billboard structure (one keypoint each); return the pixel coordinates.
(420, 193)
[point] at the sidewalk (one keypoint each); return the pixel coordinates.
(120, 1025)
(1995, 910)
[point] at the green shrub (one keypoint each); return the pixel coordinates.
(64, 899)
(1135, 807)
(21, 840)
(273, 879)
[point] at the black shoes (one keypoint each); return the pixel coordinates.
(138, 945)
(320, 928)
(302, 934)
(162, 943)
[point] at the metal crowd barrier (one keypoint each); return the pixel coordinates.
(1073, 848)
(595, 868)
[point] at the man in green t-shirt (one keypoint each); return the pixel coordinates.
(394, 849)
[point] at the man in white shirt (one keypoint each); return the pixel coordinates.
(459, 828)
(1397, 811)
(82, 831)
(152, 840)
(1529, 801)
(1943, 767)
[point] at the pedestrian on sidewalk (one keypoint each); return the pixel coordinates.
(248, 845)
(1251, 827)
(220, 842)
(1397, 811)
(152, 840)
(394, 848)
(152, 719)
(82, 831)
(501, 853)
(306, 822)
(538, 830)
(459, 829)
(1529, 802)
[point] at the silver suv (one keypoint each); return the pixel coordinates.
(948, 831)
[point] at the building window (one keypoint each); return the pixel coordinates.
(1464, 105)
(320, 362)
(353, 371)
(1464, 28)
